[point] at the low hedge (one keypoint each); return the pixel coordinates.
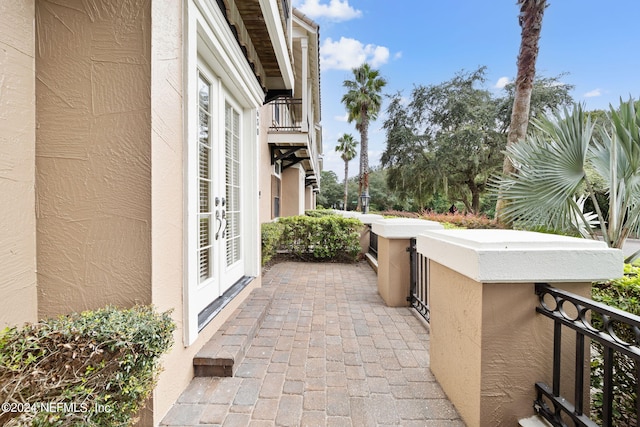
(96, 368)
(307, 238)
(271, 235)
(319, 213)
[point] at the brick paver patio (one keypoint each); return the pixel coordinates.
(329, 352)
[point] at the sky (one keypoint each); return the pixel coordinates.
(425, 42)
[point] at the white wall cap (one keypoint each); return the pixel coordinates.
(364, 218)
(369, 218)
(403, 228)
(521, 256)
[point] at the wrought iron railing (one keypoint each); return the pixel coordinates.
(286, 114)
(419, 281)
(601, 324)
(373, 243)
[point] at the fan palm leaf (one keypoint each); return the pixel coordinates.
(550, 184)
(550, 170)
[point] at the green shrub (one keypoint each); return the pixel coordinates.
(623, 293)
(325, 238)
(271, 234)
(318, 213)
(95, 368)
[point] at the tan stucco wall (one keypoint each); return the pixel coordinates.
(265, 167)
(309, 198)
(167, 195)
(18, 297)
(456, 337)
(93, 155)
(393, 271)
(292, 191)
(489, 346)
(514, 332)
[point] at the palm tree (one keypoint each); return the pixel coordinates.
(531, 13)
(346, 146)
(363, 101)
(558, 165)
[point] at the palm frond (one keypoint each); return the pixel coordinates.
(550, 170)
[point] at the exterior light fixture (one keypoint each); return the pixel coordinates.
(364, 201)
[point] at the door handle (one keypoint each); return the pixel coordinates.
(219, 221)
(224, 217)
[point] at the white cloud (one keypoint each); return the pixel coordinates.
(335, 10)
(502, 82)
(348, 53)
(398, 55)
(593, 93)
(344, 118)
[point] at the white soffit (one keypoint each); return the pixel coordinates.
(521, 256)
(271, 15)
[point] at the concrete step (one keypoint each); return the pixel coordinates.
(535, 421)
(373, 262)
(222, 354)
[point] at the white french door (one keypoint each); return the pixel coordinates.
(216, 145)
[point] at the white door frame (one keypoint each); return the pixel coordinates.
(208, 40)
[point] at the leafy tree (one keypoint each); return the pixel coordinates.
(547, 95)
(531, 14)
(382, 198)
(363, 101)
(558, 167)
(597, 116)
(445, 139)
(347, 147)
(330, 190)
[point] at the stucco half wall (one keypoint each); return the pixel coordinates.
(489, 346)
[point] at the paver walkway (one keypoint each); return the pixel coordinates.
(328, 353)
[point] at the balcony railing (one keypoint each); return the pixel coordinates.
(373, 243)
(419, 281)
(615, 338)
(286, 114)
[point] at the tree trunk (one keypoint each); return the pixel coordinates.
(360, 176)
(346, 186)
(475, 200)
(364, 150)
(531, 13)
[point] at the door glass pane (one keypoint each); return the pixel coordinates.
(232, 178)
(205, 248)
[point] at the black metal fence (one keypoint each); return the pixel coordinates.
(616, 332)
(419, 278)
(373, 243)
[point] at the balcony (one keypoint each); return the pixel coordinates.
(293, 137)
(262, 31)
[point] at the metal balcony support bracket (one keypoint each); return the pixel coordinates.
(286, 153)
